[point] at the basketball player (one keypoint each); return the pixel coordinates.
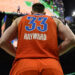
(37, 52)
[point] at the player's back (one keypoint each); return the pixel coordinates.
(37, 37)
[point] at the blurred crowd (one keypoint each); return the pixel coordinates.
(57, 5)
(70, 21)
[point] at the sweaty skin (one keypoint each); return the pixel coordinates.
(65, 34)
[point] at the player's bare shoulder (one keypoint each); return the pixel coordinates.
(56, 21)
(17, 20)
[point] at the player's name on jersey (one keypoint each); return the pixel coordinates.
(35, 36)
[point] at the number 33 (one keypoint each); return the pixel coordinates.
(32, 21)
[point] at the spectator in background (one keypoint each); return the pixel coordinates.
(18, 10)
(3, 24)
(69, 20)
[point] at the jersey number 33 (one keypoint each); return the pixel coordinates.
(32, 22)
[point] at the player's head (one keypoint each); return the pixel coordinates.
(38, 8)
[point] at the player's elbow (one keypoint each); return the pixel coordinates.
(72, 40)
(2, 42)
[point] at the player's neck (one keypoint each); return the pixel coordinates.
(38, 14)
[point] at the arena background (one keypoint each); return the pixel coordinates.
(24, 5)
(8, 12)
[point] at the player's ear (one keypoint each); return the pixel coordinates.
(31, 12)
(44, 13)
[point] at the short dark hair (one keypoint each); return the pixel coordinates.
(38, 7)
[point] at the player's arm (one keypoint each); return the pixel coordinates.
(67, 36)
(5, 41)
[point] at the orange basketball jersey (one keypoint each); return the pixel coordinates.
(37, 37)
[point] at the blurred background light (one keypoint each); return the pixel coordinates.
(73, 14)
